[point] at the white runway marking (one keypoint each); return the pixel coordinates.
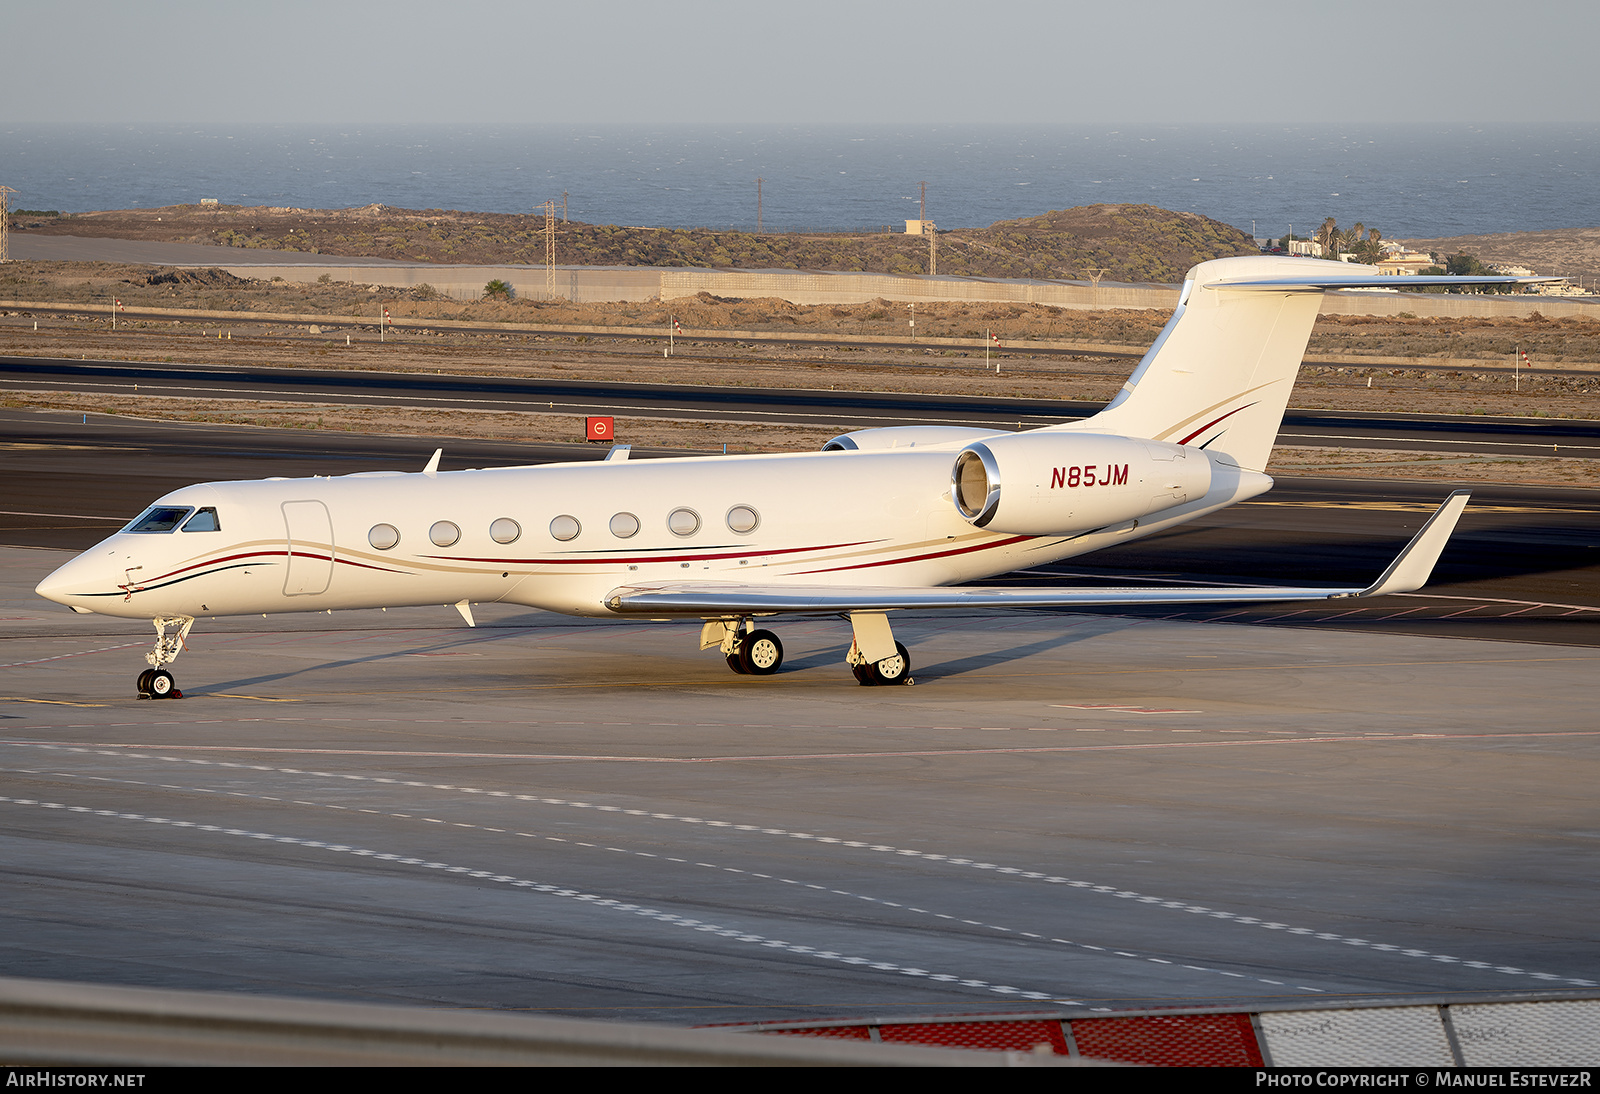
(880, 848)
(594, 899)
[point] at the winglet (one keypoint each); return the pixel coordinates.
(1413, 566)
(433, 462)
(465, 609)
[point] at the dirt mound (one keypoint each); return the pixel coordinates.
(210, 277)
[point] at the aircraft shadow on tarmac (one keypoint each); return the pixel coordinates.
(479, 636)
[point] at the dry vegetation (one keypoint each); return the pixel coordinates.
(540, 349)
(1567, 252)
(1548, 341)
(1130, 242)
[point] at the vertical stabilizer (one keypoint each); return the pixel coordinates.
(1219, 375)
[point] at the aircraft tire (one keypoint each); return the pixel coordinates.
(760, 654)
(163, 686)
(891, 670)
(144, 682)
(736, 663)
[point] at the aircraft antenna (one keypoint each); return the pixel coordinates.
(5, 224)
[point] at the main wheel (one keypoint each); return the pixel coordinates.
(144, 681)
(162, 684)
(736, 662)
(760, 653)
(891, 670)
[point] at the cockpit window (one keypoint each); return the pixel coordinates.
(160, 518)
(203, 521)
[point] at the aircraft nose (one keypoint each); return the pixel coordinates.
(73, 583)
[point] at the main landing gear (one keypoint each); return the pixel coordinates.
(156, 682)
(875, 657)
(749, 652)
(890, 670)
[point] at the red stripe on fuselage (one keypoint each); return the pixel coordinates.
(612, 559)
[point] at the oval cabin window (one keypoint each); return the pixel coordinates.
(743, 519)
(565, 528)
(383, 536)
(444, 533)
(505, 530)
(624, 525)
(683, 522)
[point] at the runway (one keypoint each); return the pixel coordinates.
(1068, 811)
(552, 815)
(842, 410)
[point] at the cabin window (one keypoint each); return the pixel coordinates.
(383, 536)
(160, 518)
(743, 519)
(565, 528)
(624, 525)
(683, 522)
(203, 521)
(505, 530)
(444, 533)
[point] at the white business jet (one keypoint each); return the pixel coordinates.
(881, 520)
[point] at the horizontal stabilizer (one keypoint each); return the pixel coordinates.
(1322, 282)
(1409, 572)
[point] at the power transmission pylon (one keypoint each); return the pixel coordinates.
(759, 181)
(550, 250)
(5, 224)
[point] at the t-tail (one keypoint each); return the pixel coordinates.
(1219, 375)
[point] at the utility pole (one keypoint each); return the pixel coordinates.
(922, 211)
(759, 181)
(563, 206)
(933, 248)
(5, 224)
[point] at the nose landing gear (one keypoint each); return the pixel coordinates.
(156, 682)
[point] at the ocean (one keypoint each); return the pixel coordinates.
(1408, 181)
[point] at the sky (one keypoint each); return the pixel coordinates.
(807, 61)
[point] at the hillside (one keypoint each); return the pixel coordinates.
(1138, 243)
(1568, 252)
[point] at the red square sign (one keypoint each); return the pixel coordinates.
(600, 429)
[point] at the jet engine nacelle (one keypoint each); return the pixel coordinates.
(1047, 483)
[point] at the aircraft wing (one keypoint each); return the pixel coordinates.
(1407, 573)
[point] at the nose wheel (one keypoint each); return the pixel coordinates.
(156, 682)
